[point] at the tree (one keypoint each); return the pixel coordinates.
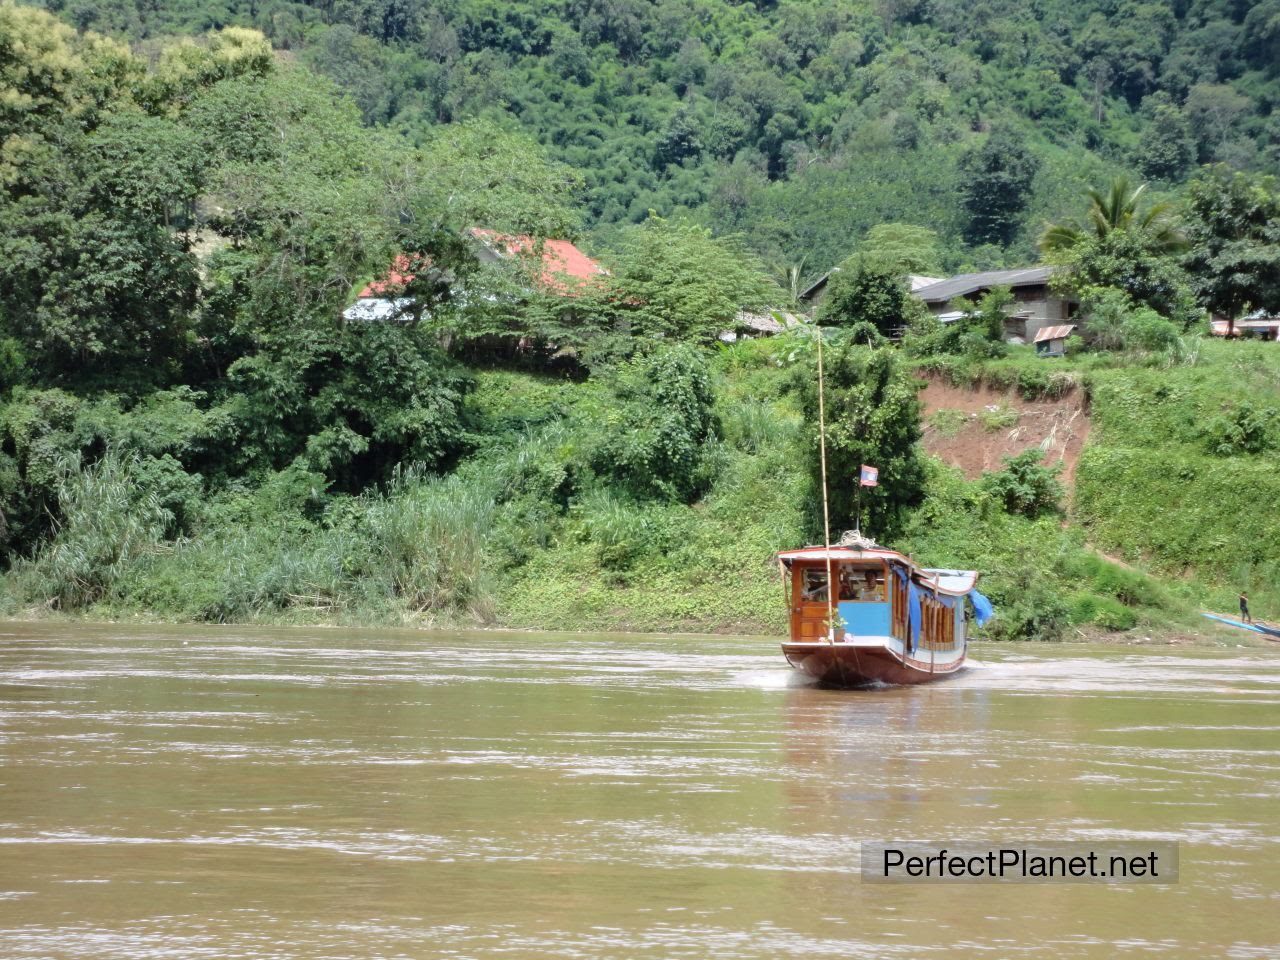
(1113, 211)
(477, 173)
(866, 290)
(678, 139)
(1025, 486)
(1233, 230)
(56, 83)
(96, 275)
(674, 278)
(309, 209)
(908, 248)
(321, 205)
(1213, 110)
(1166, 149)
(654, 437)
(114, 297)
(997, 177)
(349, 402)
(872, 417)
(1126, 260)
(1133, 42)
(187, 67)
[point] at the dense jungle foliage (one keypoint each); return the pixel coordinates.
(799, 123)
(191, 194)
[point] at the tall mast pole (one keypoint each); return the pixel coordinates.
(826, 511)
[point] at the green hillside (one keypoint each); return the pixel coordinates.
(800, 124)
(190, 428)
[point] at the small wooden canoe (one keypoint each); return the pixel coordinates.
(1268, 631)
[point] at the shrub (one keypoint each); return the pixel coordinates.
(44, 431)
(1034, 383)
(978, 335)
(1033, 612)
(1241, 429)
(998, 417)
(1025, 486)
(1145, 331)
(654, 434)
(1105, 612)
(948, 423)
(622, 534)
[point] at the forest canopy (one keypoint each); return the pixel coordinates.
(802, 123)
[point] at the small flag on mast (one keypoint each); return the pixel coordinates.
(870, 476)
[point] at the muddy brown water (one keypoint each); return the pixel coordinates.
(259, 793)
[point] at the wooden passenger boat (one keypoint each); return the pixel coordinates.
(861, 614)
(890, 620)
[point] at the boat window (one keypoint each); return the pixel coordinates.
(864, 585)
(848, 583)
(814, 585)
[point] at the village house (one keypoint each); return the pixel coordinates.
(564, 270)
(751, 324)
(1052, 341)
(1035, 304)
(1260, 325)
(812, 295)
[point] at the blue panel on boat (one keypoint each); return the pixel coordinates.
(865, 619)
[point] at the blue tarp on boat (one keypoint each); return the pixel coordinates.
(982, 607)
(913, 612)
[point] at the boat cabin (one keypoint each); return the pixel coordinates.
(878, 594)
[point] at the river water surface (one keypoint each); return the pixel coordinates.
(258, 793)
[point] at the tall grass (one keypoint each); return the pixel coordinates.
(417, 550)
(105, 523)
(427, 539)
(753, 426)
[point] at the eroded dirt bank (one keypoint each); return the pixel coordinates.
(973, 428)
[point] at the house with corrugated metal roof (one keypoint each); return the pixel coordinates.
(1052, 341)
(1035, 304)
(1261, 324)
(813, 293)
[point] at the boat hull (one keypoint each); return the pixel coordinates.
(856, 665)
(1268, 631)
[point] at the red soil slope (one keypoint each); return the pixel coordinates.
(973, 447)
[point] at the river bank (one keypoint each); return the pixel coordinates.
(528, 532)
(1209, 637)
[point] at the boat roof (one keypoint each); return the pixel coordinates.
(954, 583)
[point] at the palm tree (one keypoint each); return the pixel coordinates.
(1117, 209)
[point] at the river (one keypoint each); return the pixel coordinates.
(329, 793)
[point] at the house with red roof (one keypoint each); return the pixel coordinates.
(563, 270)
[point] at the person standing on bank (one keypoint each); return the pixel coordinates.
(1244, 608)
